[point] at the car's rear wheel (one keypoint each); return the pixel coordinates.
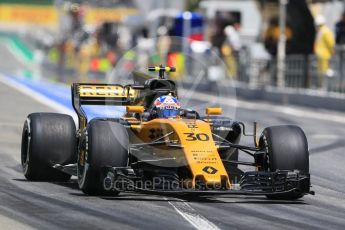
(47, 139)
(286, 148)
(106, 144)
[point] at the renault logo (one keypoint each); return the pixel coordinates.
(209, 170)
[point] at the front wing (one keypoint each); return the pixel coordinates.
(251, 183)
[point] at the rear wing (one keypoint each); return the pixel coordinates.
(145, 90)
(100, 94)
(103, 94)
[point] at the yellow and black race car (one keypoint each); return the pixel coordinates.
(159, 147)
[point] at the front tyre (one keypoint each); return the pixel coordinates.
(106, 144)
(286, 148)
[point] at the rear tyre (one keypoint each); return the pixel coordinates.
(107, 145)
(47, 139)
(286, 148)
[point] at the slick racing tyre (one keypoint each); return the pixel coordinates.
(47, 139)
(286, 148)
(106, 145)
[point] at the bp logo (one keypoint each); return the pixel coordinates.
(209, 170)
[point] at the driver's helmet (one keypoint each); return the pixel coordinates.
(167, 106)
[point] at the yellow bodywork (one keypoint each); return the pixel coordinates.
(214, 111)
(194, 144)
(198, 151)
(135, 109)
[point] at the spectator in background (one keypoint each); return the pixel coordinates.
(340, 31)
(218, 37)
(271, 36)
(233, 44)
(233, 37)
(271, 39)
(324, 49)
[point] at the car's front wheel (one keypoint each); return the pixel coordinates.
(106, 144)
(286, 148)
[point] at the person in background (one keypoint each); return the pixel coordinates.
(232, 47)
(271, 36)
(324, 49)
(233, 37)
(218, 37)
(271, 39)
(340, 31)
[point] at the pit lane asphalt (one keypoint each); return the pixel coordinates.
(45, 205)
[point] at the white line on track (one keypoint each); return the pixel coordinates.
(18, 222)
(8, 223)
(190, 214)
(38, 97)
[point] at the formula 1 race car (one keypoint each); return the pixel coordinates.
(159, 147)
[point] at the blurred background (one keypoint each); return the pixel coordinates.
(296, 44)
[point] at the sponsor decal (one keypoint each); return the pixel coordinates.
(210, 170)
(104, 91)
